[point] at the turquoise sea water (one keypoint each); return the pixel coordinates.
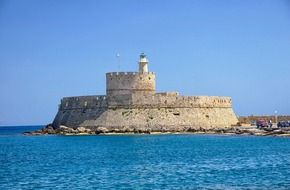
(142, 161)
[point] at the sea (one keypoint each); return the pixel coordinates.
(142, 161)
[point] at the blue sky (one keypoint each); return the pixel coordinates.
(55, 48)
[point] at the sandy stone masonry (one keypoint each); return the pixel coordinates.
(119, 83)
(144, 101)
(131, 103)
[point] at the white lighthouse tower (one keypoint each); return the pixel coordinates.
(143, 64)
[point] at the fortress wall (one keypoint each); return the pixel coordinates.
(169, 101)
(119, 83)
(159, 112)
(153, 119)
(75, 110)
(162, 100)
(163, 119)
(124, 100)
(75, 117)
(82, 102)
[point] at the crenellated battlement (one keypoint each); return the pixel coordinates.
(119, 83)
(144, 101)
(128, 73)
(83, 102)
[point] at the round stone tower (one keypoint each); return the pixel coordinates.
(142, 82)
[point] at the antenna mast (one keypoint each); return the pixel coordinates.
(118, 61)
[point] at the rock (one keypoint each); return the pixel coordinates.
(37, 132)
(116, 130)
(126, 129)
(48, 130)
(191, 130)
(63, 128)
(101, 130)
(50, 126)
(83, 130)
(238, 130)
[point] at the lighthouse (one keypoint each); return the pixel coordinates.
(143, 64)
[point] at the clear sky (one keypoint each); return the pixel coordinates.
(55, 48)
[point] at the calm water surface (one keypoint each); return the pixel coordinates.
(142, 161)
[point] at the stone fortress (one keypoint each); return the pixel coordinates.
(131, 104)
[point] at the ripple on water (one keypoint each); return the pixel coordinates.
(144, 162)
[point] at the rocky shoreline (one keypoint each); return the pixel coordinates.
(235, 130)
